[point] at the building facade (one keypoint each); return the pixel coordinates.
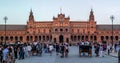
(61, 29)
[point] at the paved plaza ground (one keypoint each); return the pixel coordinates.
(73, 58)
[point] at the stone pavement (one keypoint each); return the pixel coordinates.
(114, 54)
(73, 58)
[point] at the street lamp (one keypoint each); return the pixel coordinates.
(5, 18)
(112, 18)
(50, 36)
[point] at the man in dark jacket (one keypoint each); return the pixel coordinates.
(62, 48)
(21, 52)
(57, 48)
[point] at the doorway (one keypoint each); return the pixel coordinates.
(61, 39)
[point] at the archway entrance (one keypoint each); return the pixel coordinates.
(67, 40)
(61, 38)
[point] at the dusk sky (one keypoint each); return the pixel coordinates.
(17, 11)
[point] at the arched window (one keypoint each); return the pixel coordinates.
(82, 37)
(102, 38)
(116, 37)
(86, 37)
(11, 38)
(91, 37)
(66, 30)
(67, 40)
(61, 30)
(71, 37)
(39, 37)
(27, 38)
(111, 37)
(36, 37)
(21, 38)
(2, 38)
(16, 38)
(43, 38)
(75, 38)
(47, 38)
(95, 38)
(56, 30)
(79, 38)
(31, 37)
(7, 38)
(106, 37)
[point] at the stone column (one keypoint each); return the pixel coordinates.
(24, 39)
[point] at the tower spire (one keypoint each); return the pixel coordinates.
(91, 16)
(31, 17)
(60, 10)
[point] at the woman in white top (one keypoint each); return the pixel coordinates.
(29, 49)
(50, 48)
(101, 51)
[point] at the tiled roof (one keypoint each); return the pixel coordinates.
(13, 27)
(108, 27)
(23, 27)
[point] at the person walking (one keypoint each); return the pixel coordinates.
(5, 52)
(21, 52)
(101, 51)
(66, 50)
(16, 52)
(10, 57)
(50, 49)
(108, 49)
(62, 49)
(1, 54)
(57, 48)
(97, 50)
(25, 50)
(29, 49)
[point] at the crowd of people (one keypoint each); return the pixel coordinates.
(10, 52)
(102, 49)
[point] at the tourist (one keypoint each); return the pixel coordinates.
(33, 49)
(97, 50)
(62, 48)
(57, 48)
(104, 48)
(101, 51)
(66, 50)
(115, 48)
(5, 52)
(29, 49)
(21, 52)
(25, 50)
(1, 54)
(16, 52)
(39, 49)
(9, 57)
(50, 49)
(108, 49)
(45, 48)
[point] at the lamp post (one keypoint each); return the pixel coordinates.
(112, 18)
(5, 18)
(50, 36)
